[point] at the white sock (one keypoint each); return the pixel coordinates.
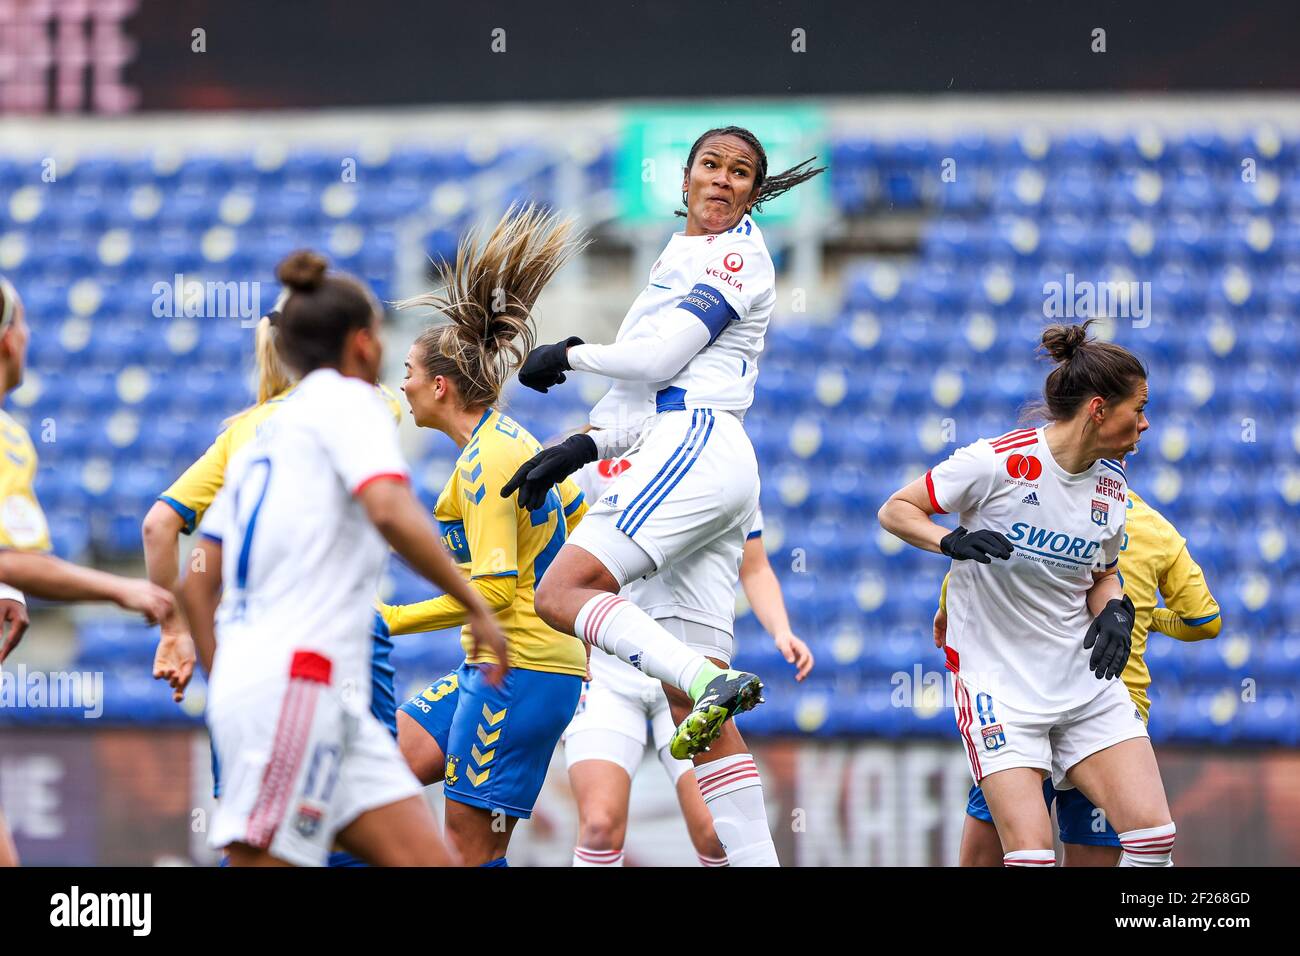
(711, 860)
(733, 792)
(1153, 846)
(1029, 858)
(621, 628)
(584, 857)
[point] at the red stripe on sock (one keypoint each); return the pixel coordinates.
(596, 619)
(727, 785)
(708, 776)
(1138, 841)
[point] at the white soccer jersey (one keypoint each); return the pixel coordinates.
(728, 282)
(301, 561)
(1016, 627)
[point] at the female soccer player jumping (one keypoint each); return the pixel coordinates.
(685, 365)
(1031, 633)
(25, 568)
(297, 536)
(490, 744)
(1153, 559)
(605, 741)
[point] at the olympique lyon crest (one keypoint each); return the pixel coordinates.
(994, 737)
(1100, 512)
(307, 822)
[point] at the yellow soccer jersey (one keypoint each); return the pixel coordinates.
(1154, 558)
(22, 522)
(489, 537)
(191, 493)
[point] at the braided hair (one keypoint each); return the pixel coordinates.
(766, 187)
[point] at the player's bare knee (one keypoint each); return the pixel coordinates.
(602, 830)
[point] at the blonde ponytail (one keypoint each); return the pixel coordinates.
(488, 298)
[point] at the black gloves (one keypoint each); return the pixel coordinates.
(546, 365)
(549, 466)
(983, 545)
(1112, 633)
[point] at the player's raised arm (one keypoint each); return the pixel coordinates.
(397, 515)
(961, 480)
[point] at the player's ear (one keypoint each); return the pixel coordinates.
(1097, 409)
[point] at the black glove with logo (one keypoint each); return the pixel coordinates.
(548, 467)
(982, 545)
(546, 364)
(1111, 638)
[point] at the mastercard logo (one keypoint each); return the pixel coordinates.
(610, 467)
(732, 262)
(1026, 467)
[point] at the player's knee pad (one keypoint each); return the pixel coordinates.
(1153, 846)
(1029, 858)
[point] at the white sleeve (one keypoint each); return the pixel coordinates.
(215, 525)
(360, 438)
(757, 530)
(964, 480)
(677, 337)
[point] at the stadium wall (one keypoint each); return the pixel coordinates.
(141, 797)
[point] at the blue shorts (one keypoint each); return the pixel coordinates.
(498, 740)
(1075, 815)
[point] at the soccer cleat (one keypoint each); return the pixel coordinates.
(728, 694)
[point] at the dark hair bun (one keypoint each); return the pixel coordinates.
(302, 271)
(1061, 342)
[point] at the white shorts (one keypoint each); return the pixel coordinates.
(592, 734)
(688, 502)
(297, 767)
(999, 737)
(616, 714)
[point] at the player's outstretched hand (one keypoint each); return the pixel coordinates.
(546, 364)
(174, 661)
(1110, 636)
(485, 635)
(146, 598)
(982, 545)
(940, 628)
(534, 478)
(13, 625)
(795, 652)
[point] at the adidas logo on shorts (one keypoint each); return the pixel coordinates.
(611, 500)
(1030, 499)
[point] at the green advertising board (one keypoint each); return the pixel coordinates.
(656, 142)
